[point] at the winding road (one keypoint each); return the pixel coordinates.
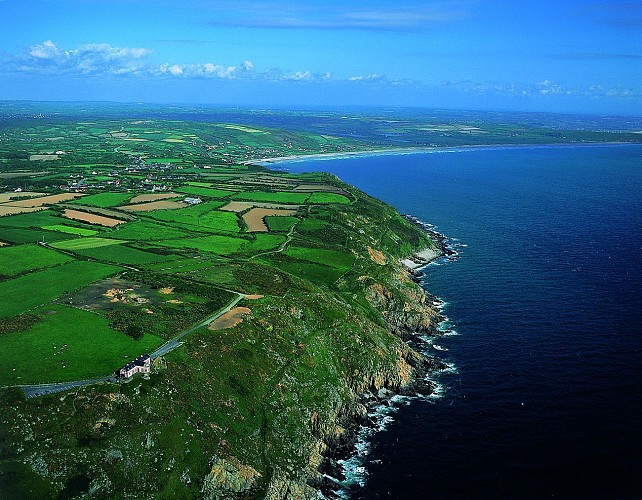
(33, 391)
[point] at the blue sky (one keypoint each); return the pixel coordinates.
(564, 55)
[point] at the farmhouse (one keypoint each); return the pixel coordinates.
(192, 201)
(142, 364)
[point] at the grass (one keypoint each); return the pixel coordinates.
(201, 220)
(205, 191)
(334, 258)
(145, 230)
(82, 243)
(93, 349)
(61, 228)
(121, 254)
(105, 200)
(29, 220)
(222, 245)
(276, 197)
(280, 224)
(34, 289)
(20, 235)
(19, 259)
(263, 242)
(327, 198)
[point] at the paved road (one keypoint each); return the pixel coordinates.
(33, 391)
(172, 344)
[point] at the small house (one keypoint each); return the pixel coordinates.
(142, 364)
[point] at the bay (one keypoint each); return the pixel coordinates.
(546, 298)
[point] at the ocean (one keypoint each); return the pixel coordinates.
(544, 307)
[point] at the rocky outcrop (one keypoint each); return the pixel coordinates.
(229, 477)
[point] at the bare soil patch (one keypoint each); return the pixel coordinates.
(9, 210)
(92, 218)
(154, 205)
(230, 319)
(5, 197)
(377, 256)
(45, 200)
(254, 297)
(255, 218)
(144, 198)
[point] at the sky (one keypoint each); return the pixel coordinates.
(575, 56)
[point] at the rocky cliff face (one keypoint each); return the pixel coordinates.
(404, 306)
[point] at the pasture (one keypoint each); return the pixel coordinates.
(20, 259)
(21, 294)
(83, 243)
(274, 197)
(205, 192)
(121, 254)
(67, 344)
(327, 198)
(61, 228)
(106, 200)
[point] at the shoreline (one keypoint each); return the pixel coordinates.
(344, 467)
(277, 160)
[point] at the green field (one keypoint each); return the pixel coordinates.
(263, 242)
(326, 198)
(32, 220)
(82, 243)
(21, 235)
(21, 294)
(280, 224)
(218, 244)
(334, 258)
(276, 197)
(205, 220)
(61, 228)
(121, 254)
(92, 348)
(205, 192)
(146, 230)
(19, 259)
(105, 200)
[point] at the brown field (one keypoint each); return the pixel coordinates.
(255, 218)
(154, 205)
(45, 200)
(144, 198)
(4, 197)
(230, 319)
(43, 157)
(9, 210)
(241, 206)
(91, 218)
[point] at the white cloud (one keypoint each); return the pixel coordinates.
(207, 70)
(94, 58)
(375, 77)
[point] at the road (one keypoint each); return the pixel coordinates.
(33, 391)
(172, 344)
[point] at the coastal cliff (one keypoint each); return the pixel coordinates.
(263, 409)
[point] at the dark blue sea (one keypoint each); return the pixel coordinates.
(546, 299)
